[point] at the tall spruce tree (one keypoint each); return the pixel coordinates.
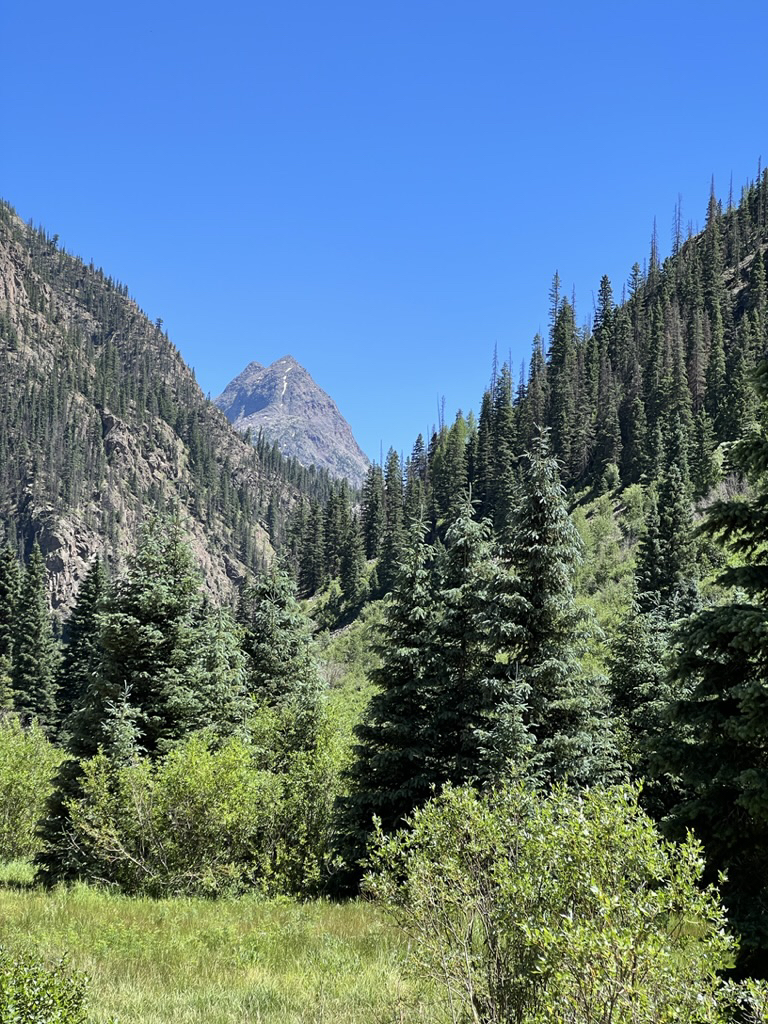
(394, 528)
(567, 712)
(35, 652)
(394, 768)
(281, 670)
(82, 652)
(148, 635)
(10, 584)
(715, 746)
(465, 647)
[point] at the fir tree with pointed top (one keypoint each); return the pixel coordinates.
(82, 651)
(465, 646)
(567, 709)
(35, 653)
(148, 641)
(281, 671)
(715, 740)
(394, 530)
(393, 769)
(10, 585)
(373, 510)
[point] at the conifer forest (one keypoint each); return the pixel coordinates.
(500, 717)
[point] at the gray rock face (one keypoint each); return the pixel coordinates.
(284, 402)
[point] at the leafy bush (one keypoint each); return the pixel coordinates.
(206, 820)
(28, 763)
(530, 908)
(33, 993)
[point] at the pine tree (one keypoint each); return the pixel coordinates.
(566, 709)
(281, 671)
(10, 584)
(82, 652)
(666, 565)
(35, 653)
(465, 647)
(394, 769)
(640, 692)
(148, 647)
(373, 511)
(717, 729)
(352, 567)
(394, 529)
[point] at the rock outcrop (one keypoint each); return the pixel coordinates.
(286, 405)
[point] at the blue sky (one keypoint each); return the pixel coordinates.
(382, 190)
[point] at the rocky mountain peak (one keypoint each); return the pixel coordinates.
(284, 402)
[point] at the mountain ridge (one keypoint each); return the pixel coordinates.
(284, 402)
(102, 421)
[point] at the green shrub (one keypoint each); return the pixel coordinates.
(528, 908)
(28, 763)
(209, 821)
(32, 992)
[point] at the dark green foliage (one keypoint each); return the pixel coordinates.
(566, 709)
(82, 651)
(352, 566)
(666, 571)
(718, 725)
(393, 538)
(280, 667)
(34, 653)
(641, 693)
(165, 668)
(10, 584)
(373, 511)
(465, 648)
(394, 769)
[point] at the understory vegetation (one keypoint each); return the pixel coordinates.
(513, 694)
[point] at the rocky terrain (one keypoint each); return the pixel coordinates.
(284, 402)
(102, 422)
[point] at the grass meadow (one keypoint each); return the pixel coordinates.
(190, 960)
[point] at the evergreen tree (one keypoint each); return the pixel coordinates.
(35, 653)
(394, 529)
(82, 652)
(281, 670)
(567, 713)
(717, 729)
(10, 584)
(148, 642)
(218, 674)
(352, 567)
(666, 569)
(373, 511)
(640, 693)
(394, 770)
(465, 648)
(416, 481)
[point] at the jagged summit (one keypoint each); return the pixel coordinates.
(284, 402)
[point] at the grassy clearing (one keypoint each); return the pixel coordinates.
(157, 962)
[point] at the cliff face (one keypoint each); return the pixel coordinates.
(101, 420)
(283, 401)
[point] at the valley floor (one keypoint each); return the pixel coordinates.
(225, 962)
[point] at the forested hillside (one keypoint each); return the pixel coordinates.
(669, 356)
(101, 419)
(528, 661)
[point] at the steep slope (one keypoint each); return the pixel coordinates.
(284, 403)
(101, 421)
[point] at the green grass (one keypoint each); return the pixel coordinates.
(157, 962)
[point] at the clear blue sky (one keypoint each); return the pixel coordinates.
(382, 190)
